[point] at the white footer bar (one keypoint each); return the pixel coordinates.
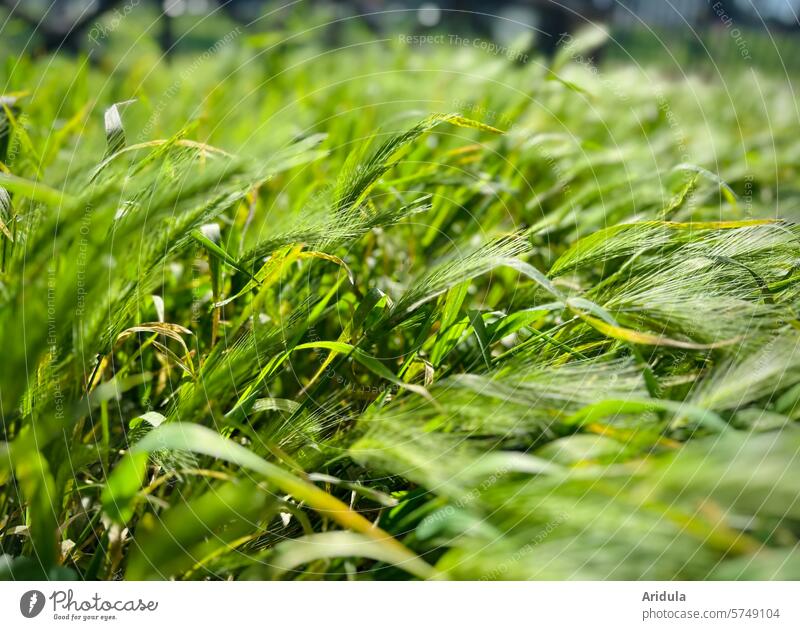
(399, 605)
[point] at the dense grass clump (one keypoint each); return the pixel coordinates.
(390, 313)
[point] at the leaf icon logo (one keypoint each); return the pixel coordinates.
(31, 603)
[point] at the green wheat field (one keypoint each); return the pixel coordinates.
(395, 310)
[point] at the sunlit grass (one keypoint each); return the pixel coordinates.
(375, 316)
